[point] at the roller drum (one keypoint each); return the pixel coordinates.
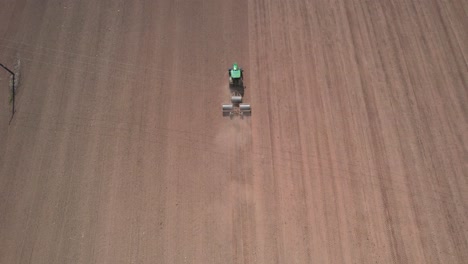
(236, 99)
(227, 108)
(245, 108)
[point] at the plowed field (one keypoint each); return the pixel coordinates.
(356, 150)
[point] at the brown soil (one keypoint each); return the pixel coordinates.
(356, 150)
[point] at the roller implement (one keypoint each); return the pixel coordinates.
(236, 88)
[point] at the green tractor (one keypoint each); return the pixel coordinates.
(236, 87)
(236, 76)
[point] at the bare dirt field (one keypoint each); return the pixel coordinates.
(356, 150)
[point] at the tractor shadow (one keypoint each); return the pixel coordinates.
(237, 89)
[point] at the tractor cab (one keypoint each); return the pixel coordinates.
(235, 75)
